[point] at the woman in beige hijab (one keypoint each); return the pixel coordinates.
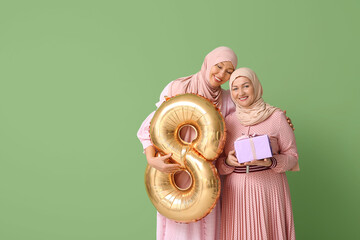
(256, 198)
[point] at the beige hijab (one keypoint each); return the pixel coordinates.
(258, 111)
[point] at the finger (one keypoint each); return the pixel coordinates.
(174, 167)
(234, 162)
(165, 156)
(170, 169)
(253, 162)
(232, 158)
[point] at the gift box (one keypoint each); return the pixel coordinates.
(252, 148)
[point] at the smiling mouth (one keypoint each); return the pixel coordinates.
(243, 98)
(217, 79)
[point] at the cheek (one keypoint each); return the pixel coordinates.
(210, 74)
(227, 77)
(252, 93)
(233, 94)
(212, 70)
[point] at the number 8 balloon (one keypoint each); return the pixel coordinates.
(196, 201)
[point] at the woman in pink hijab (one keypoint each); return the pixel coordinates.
(256, 198)
(215, 71)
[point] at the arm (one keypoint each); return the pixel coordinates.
(160, 163)
(143, 133)
(287, 158)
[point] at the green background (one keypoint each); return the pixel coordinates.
(79, 77)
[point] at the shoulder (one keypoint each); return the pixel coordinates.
(277, 117)
(230, 118)
(278, 114)
(165, 91)
(163, 94)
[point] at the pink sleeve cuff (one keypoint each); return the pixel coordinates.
(223, 167)
(146, 143)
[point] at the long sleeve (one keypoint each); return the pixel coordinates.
(287, 159)
(143, 133)
(222, 167)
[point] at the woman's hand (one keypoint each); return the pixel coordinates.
(289, 121)
(266, 162)
(231, 159)
(160, 163)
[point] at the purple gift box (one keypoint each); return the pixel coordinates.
(251, 148)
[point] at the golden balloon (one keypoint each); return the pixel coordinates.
(197, 200)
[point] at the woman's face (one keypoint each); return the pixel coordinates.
(220, 73)
(242, 91)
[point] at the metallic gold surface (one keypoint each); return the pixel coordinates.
(195, 202)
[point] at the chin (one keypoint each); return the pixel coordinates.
(215, 84)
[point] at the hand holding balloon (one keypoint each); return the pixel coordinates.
(175, 200)
(160, 163)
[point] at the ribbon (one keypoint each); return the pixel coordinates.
(253, 148)
(251, 143)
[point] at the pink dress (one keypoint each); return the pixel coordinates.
(207, 228)
(257, 205)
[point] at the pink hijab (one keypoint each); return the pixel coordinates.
(258, 111)
(198, 83)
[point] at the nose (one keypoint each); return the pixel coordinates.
(241, 92)
(222, 73)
